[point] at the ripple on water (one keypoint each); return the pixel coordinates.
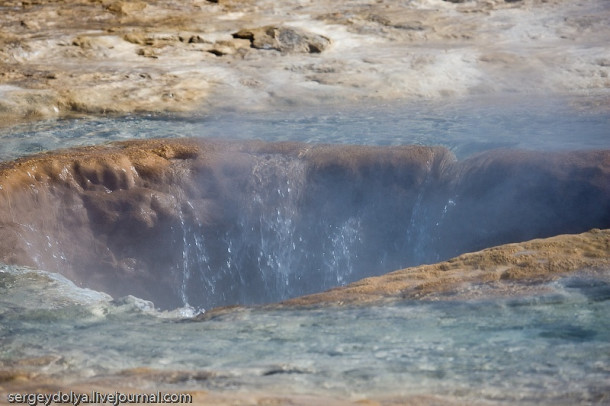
(468, 128)
(529, 350)
(550, 348)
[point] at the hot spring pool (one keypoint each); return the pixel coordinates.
(549, 347)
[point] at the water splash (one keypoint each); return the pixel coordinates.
(543, 348)
(342, 254)
(279, 243)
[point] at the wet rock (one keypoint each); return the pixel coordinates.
(284, 39)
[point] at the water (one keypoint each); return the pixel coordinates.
(285, 234)
(548, 349)
(551, 348)
(471, 127)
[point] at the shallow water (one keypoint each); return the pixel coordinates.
(468, 128)
(549, 349)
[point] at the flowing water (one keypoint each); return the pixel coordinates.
(465, 129)
(552, 348)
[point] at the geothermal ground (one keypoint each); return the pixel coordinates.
(214, 223)
(59, 59)
(295, 249)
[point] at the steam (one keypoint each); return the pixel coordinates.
(293, 228)
(290, 230)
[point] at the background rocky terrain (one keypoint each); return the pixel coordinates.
(60, 58)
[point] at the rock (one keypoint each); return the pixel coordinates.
(221, 48)
(30, 25)
(196, 39)
(96, 190)
(126, 7)
(33, 104)
(152, 39)
(147, 52)
(93, 42)
(284, 39)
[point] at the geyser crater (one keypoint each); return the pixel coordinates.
(211, 223)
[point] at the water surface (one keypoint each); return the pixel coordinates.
(471, 127)
(550, 349)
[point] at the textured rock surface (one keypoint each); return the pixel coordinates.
(104, 56)
(284, 39)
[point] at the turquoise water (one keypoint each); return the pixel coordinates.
(550, 349)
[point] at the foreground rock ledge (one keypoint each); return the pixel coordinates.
(507, 270)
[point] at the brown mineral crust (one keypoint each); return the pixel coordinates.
(533, 261)
(354, 159)
(86, 200)
(508, 191)
(591, 167)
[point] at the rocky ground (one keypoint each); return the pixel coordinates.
(59, 58)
